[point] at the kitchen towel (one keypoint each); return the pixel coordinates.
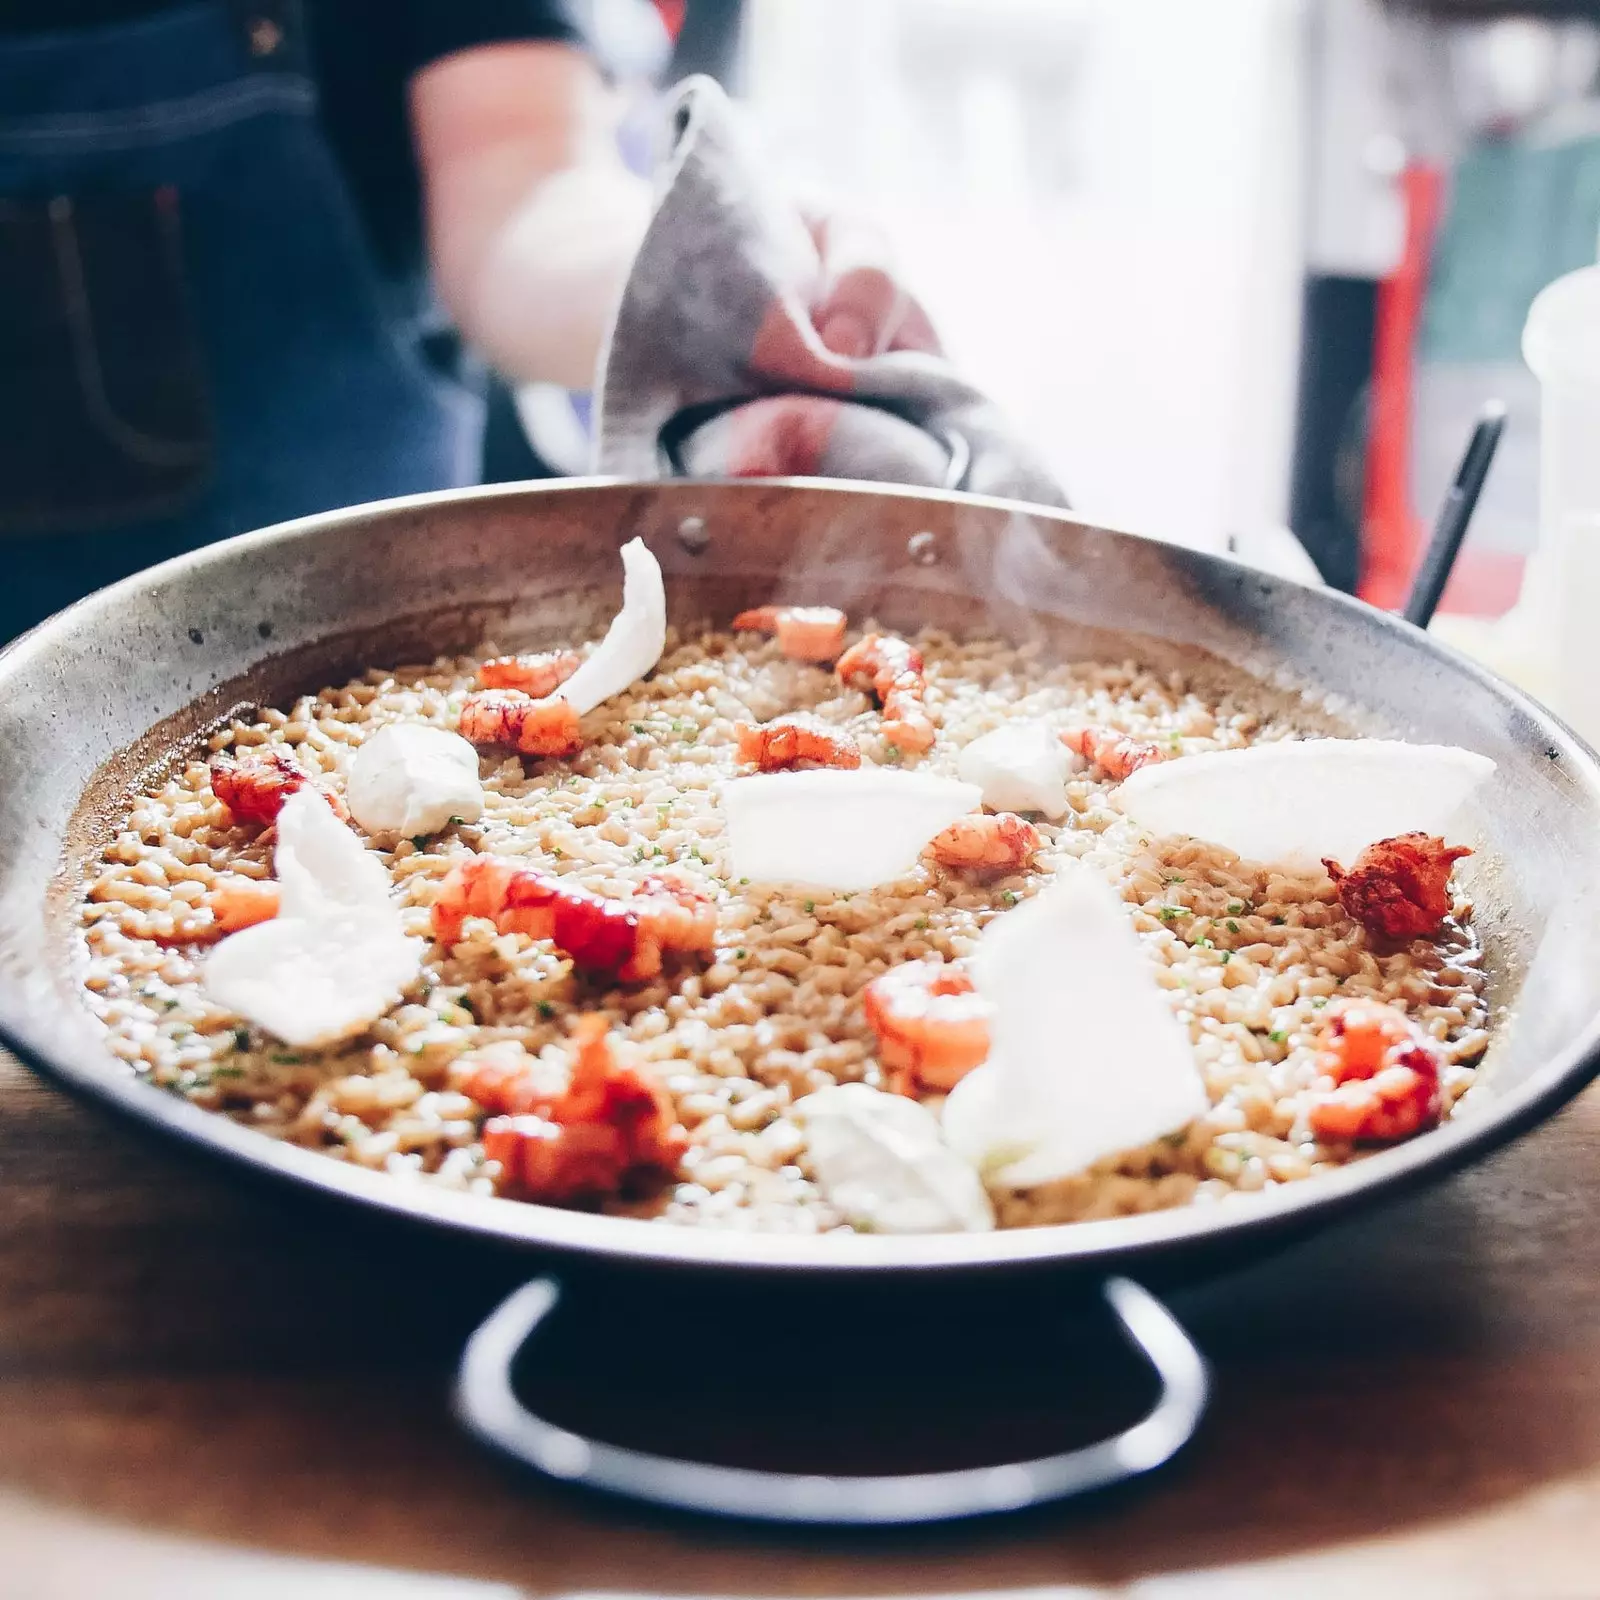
(714, 368)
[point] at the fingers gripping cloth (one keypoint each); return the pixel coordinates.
(714, 368)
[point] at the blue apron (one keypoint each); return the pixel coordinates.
(214, 349)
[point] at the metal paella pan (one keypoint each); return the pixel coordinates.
(111, 688)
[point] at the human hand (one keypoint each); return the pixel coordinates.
(862, 308)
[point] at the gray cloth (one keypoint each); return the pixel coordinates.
(714, 369)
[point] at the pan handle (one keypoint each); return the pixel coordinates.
(488, 1407)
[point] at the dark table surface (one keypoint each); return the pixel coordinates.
(209, 1389)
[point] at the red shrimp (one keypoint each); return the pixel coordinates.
(804, 633)
(255, 783)
(1385, 1072)
(233, 902)
(609, 1122)
(787, 741)
(932, 1025)
(536, 675)
(1399, 888)
(1001, 842)
(1117, 755)
(893, 670)
(625, 938)
(510, 717)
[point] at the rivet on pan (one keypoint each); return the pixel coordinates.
(694, 535)
(923, 548)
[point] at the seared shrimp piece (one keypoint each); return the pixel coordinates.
(536, 675)
(625, 938)
(675, 914)
(608, 1123)
(892, 670)
(254, 784)
(932, 1025)
(804, 633)
(1399, 888)
(1002, 841)
(1117, 755)
(233, 902)
(510, 717)
(236, 902)
(787, 741)
(1385, 1072)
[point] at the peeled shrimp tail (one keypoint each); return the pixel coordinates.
(546, 728)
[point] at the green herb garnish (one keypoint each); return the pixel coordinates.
(920, 924)
(739, 955)
(1171, 913)
(743, 881)
(1237, 908)
(287, 1058)
(419, 841)
(1233, 927)
(1009, 896)
(546, 1010)
(241, 1038)
(1227, 956)
(1278, 1036)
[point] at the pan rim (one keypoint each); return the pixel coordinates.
(1105, 1244)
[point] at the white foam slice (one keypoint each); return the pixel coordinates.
(838, 830)
(1086, 1058)
(336, 957)
(1020, 766)
(411, 778)
(634, 641)
(881, 1159)
(1300, 801)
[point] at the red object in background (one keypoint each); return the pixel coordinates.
(672, 15)
(1391, 533)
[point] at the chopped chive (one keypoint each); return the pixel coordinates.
(1233, 927)
(738, 955)
(287, 1058)
(639, 727)
(1227, 956)
(1009, 896)
(1319, 1002)
(1204, 944)
(920, 924)
(811, 905)
(1171, 913)
(546, 1009)
(1277, 1036)
(241, 1038)
(1175, 743)
(419, 841)
(744, 881)
(1237, 908)
(465, 1003)
(1173, 877)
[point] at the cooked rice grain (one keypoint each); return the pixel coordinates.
(1249, 955)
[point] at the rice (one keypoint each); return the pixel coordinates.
(1248, 955)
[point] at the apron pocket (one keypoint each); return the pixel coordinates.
(102, 385)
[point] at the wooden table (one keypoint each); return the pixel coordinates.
(207, 1390)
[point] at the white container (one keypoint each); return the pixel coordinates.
(1561, 592)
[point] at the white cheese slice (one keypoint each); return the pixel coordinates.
(313, 981)
(336, 957)
(839, 830)
(1020, 766)
(1086, 1058)
(410, 778)
(1300, 801)
(320, 864)
(635, 640)
(881, 1160)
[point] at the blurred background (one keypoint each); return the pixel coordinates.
(1233, 267)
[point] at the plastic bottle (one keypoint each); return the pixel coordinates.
(1561, 593)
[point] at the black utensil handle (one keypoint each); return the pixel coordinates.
(488, 1406)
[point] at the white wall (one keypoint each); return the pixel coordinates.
(1099, 201)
